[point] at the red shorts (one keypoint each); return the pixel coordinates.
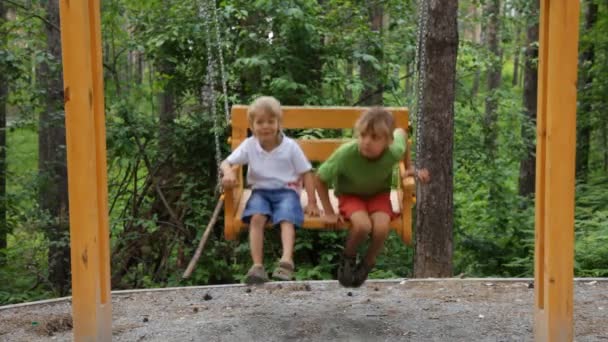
(348, 204)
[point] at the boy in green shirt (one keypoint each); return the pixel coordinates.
(361, 173)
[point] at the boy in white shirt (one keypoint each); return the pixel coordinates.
(277, 167)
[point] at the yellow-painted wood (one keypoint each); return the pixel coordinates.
(408, 186)
(232, 198)
(556, 143)
(311, 222)
(317, 117)
(86, 157)
(317, 150)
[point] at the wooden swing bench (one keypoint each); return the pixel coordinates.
(235, 199)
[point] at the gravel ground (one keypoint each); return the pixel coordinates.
(398, 310)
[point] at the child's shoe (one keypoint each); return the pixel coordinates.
(346, 270)
(360, 274)
(284, 271)
(256, 275)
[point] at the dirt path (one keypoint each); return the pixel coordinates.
(438, 310)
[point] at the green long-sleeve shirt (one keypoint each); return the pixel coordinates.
(351, 173)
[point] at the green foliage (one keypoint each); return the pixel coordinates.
(592, 96)
(592, 228)
(23, 277)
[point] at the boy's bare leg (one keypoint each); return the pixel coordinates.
(361, 227)
(285, 268)
(288, 237)
(256, 238)
(381, 228)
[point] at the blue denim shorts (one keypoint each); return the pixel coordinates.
(277, 204)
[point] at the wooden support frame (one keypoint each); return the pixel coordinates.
(555, 173)
(556, 141)
(86, 156)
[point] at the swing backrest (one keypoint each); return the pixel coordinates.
(297, 117)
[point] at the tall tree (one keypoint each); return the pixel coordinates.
(3, 100)
(527, 169)
(492, 12)
(584, 125)
(53, 196)
(605, 144)
(478, 37)
(150, 249)
(434, 209)
(348, 91)
(372, 93)
(516, 54)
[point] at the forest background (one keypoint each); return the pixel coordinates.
(170, 68)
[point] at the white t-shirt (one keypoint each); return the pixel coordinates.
(278, 169)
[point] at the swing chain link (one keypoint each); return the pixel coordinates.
(208, 91)
(222, 68)
(421, 66)
(208, 12)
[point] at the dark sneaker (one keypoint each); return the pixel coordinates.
(360, 274)
(346, 270)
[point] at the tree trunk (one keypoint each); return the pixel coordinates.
(372, 94)
(348, 91)
(584, 125)
(516, 53)
(527, 168)
(492, 11)
(605, 144)
(53, 196)
(515, 80)
(478, 38)
(605, 130)
(3, 101)
(434, 208)
(166, 112)
(139, 70)
(476, 81)
(406, 81)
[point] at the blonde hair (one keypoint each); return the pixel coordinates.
(265, 104)
(376, 120)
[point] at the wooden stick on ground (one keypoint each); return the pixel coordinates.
(204, 238)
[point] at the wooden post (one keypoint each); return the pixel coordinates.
(555, 155)
(86, 154)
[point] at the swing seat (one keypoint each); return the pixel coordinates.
(402, 198)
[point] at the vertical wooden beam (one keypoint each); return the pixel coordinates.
(555, 177)
(86, 154)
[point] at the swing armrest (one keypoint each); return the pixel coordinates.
(407, 183)
(233, 196)
(406, 186)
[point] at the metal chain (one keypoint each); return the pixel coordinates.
(208, 94)
(222, 68)
(421, 64)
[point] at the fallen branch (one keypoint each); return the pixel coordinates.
(204, 238)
